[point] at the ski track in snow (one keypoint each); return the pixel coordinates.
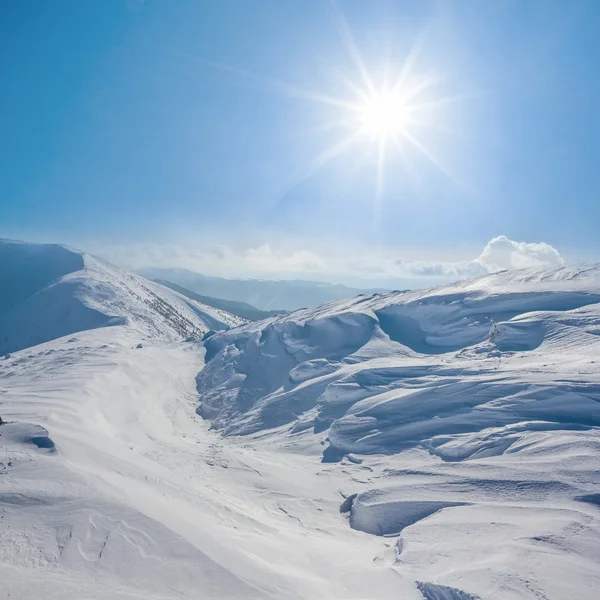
(439, 445)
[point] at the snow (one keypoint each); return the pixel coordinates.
(438, 444)
(141, 500)
(497, 374)
(54, 291)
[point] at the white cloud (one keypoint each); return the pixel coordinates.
(499, 254)
(440, 269)
(216, 260)
(371, 269)
(502, 253)
(297, 261)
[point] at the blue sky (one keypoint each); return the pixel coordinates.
(191, 133)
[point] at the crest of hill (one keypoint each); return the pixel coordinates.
(49, 291)
(382, 371)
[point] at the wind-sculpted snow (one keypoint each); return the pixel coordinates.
(379, 512)
(139, 499)
(439, 445)
(497, 380)
(431, 591)
(389, 371)
(49, 291)
(16, 434)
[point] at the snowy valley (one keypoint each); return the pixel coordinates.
(438, 444)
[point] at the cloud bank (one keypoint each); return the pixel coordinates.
(265, 261)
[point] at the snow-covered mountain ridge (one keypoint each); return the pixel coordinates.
(50, 291)
(437, 444)
(308, 368)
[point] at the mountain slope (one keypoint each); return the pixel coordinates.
(470, 412)
(241, 309)
(439, 444)
(52, 291)
(288, 366)
(265, 295)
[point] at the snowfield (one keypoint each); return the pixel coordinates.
(440, 444)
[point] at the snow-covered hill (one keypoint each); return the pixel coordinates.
(49, 291)
(360, 365)
(440, 444)
(479, 404)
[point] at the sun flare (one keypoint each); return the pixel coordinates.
(384, 114)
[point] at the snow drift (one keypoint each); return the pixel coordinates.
(496, 379)
(389, 370)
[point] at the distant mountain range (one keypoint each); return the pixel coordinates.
(241, 309)
(265, 295)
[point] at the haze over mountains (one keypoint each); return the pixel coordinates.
(241, 309)
(264, 294)
(424, 445)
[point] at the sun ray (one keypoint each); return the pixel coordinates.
(408, 63)
(351, 47)
(444, 129)
(337, 149)
(378, 204)
(416, 90)
(334, 151)
(402, 156)
(280, 86)
(323, 158)
(431, 157)
(361, 94)
(399, 146)
(340, 124)
(446, 100)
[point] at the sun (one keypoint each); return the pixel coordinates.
(384, 114)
